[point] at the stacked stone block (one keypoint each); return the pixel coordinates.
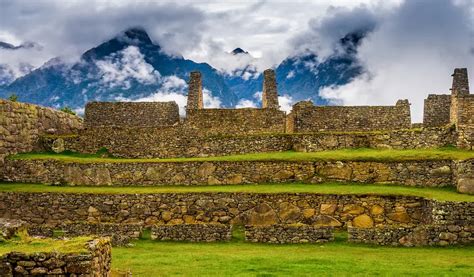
(192, 232)
(195, 97)
(131, 114)
(280, 233)
(436, 110)
(94, 262)
(269, 93)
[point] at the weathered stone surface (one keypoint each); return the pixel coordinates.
(411, 173)
(288, 234)
(192, 232)
(363, 221)
(11, 227)
(326, 220)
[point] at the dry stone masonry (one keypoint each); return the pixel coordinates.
(411, 173)
(192, 232)
(94, 262)
(281, 233)
(137, 114)
(269, 93)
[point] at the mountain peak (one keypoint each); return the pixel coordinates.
(137, 35)
(238, 50)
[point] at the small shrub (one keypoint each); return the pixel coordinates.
(68, 110)
(13, 97)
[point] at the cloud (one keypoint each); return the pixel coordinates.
(245, 103)
(129, 64)
(411, 53)
(286, 102)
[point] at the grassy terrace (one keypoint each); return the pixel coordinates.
(361, 154)
(32, 245)
(443, 194)
(149, 258)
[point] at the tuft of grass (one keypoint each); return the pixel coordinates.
(443, 194)
(358, 154)
(33, 245)
(332, 259)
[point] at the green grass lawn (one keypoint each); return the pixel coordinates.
(360, 154)
(444, 194)
(149, 258)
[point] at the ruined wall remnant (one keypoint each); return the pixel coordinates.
(462, 108)
(270, 94)
(131, 114)
(235, 121)
(436, 110)
(309, 118)
(22, 124)
(195, 98)
(460, 82)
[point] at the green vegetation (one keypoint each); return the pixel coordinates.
(67, 110)
(444, 194)
(149, 258)
(361, 154)
(31, 245)
(13, 97)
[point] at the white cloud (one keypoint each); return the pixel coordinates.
(129, 64)
(245, 103)
(161, 96)
(286, 102)
(210, 101)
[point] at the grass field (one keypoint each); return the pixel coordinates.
(444, 194)
(149, 258)
(361, 154)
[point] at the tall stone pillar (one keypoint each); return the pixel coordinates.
(195, 101)
(270, 94)
(460, 82)
(459, 89)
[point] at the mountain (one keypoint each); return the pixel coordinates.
(302, 76)
(128, 66)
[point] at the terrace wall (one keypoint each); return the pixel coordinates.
(414, 236)
(281, 233)
(178, 142)
(412, 173)
(337, 211)
(192, 232)
(129, 114)
(309, 118)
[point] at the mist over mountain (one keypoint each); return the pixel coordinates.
(131, 67)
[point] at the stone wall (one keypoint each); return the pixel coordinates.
(414, 236)
(21, 125)
(269, 92)
(464, 176)
(171, 142)
(236, 121)
(120, 234)
(288, 234)
(436, 111)
(338, 211)
(437, 173)
(95, 262)
(129, 114)
(309, 118)
(451, 213)
(192, 232)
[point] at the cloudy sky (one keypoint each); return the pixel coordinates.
(413, 48)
